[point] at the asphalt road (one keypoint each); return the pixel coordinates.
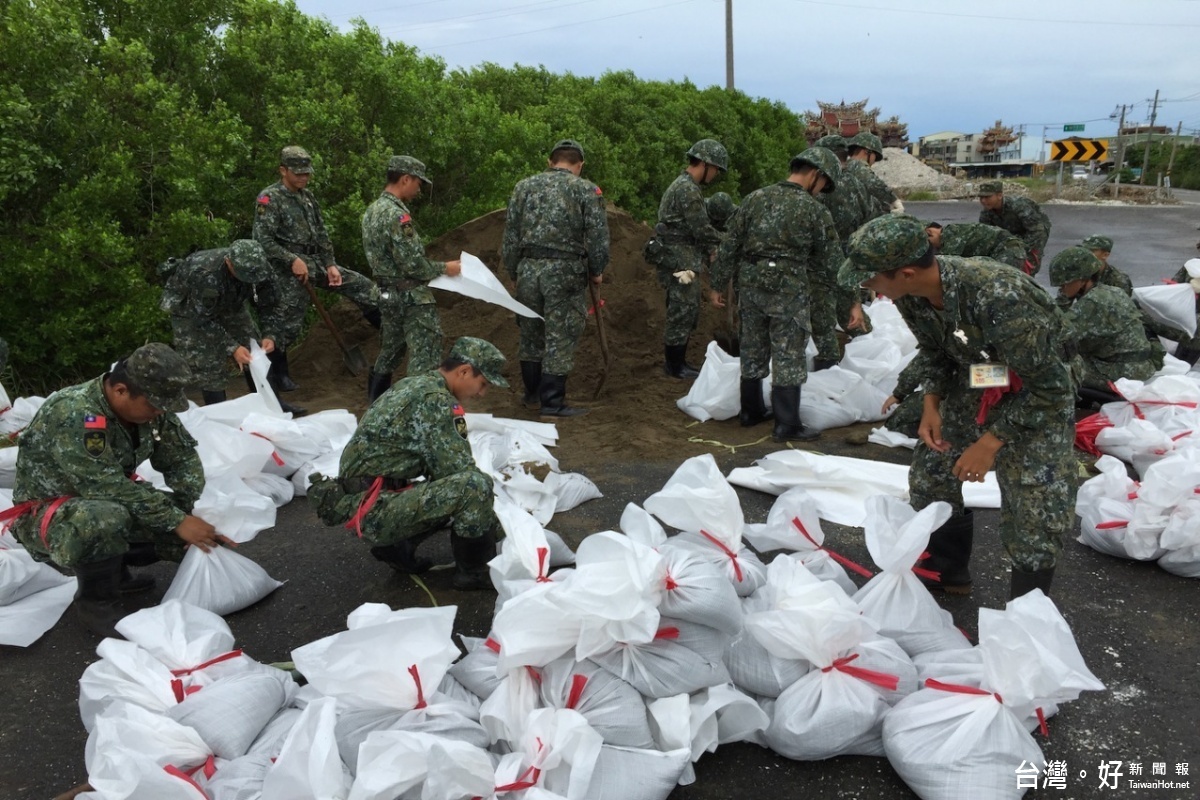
(1137, 626)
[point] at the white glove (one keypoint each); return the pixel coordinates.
(684, 276)
(897, 206)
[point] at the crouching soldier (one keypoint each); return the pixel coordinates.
(415, 431)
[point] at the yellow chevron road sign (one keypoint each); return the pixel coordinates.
(1079, 150)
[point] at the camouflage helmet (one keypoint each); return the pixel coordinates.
(867, 141)
(710, 151)
(824, 160)
(720, 208)
(831, 141)
(161, 374)
(296, 159)
(1097, 242)
(248, 261)
(1073, 264)
(885, 243)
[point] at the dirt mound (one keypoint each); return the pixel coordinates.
(634, 418)
(901, 171)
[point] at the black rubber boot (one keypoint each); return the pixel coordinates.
(213, 397)
(950, 554)
(279, 377)
(824, 363)
(1188, 354)
(1025, 582)
(96, 597)
(373, 317)
(531, 376)
(553, 394)
(139, 554)
(785, 402)
(377, 384)
(471, 557)
(754, 410)
(402, 555)
(674, 364)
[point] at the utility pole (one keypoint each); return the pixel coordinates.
(1171, 160)
(1120, 153)
(729, 45)
(1149, 136)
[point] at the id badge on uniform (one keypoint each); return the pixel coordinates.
(989, 376)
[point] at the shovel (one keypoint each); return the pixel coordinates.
(727, 337)
(604, 352)
(353, 357)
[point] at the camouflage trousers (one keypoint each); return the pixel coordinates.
(682, 300)
(556, 289)
(82, 531)
(774, 329)
(1036, 476)
(283, 300)
(830, 307)
(205, 349)
(462, 501)
(408, 327)
(907, 416)
(1095, 373)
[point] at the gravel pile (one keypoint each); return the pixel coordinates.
(902, 171)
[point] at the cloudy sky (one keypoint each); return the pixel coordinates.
(938, 64)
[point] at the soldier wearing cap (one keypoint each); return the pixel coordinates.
(1019, 216)
(206, 295)
(780, 240)
(993, 355)
(720, 208)
(688, 243)
(555, 241)
(77, 502)
(402, 271)
(289, 226)
(1106, 325)
(418, 430)
(974, 240)
(865, 149)
(1109, 275)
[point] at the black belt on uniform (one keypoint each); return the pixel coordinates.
(537, 251)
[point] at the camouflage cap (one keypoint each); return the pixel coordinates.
(710, 151)
(988, 188)
(483, 356)
(296, 159)
(824, 160)
(407, 165)
(888, 242)
(1097, 242)
(1073, 264)
(568, 144)
(249, 261)
(867, 141)
(720, 207)
(161, 374)
(832, 141)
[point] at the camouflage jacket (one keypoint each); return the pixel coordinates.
(201, 287)
(845, 205)
(395, 251)
(1107, 326)
(877, 198)
(417, 429)
(1109, 276)
(779, 240)
(993, 313)
(76, 446)
(556, 211)
(683, 217)
(974, 240)
(289, 225)
(1023, 218)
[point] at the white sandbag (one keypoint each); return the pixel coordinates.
(752, 667)
(533, 628)
(18, 417)
(239, 779)
(722, 715)
(560, 748)
(697, 497)
(1137, 442)
(519, 487)
(279, 490)
(180, 635)
(442, 718)
(877, 359)
(327, 465)
(258, 367)
(1170, 403)
(611, 706)
(709, 643)
(330, 429)
(715, 393)
(836, 397)
(478, 282)
(1181, 540)
(394, 764)
(233, 508)
(662, 668)
(455, 692)
(308, 766)
(506, 713)
(23, 622)
(740, 566)
(274, 734)
(696, 590)
(963, 667)
(21, 576)
(130, 745)
(230, 713)
(640, 525)
(571, 489)
(292, 445)
(477, 669)
(889, 438)
(125, 672)
(1171, 304)
(220, 581)
(8, 466)
(224, 449)
(626, 773)
(524, 551)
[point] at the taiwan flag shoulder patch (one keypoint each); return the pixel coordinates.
(264, 200)
(95, 422)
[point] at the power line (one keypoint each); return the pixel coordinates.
(925, 13)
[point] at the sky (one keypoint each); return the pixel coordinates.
(938, 64)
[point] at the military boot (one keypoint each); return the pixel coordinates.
(373, 317)
(553, 394)
(139, 554)
(96, 596)
(213, 397)
(295, 411)
(402, 555)
(785, 401)
(279, 377)
(1025, 582)
(531, 376)
(471, 557)
(950, 554)
(377, 384)
(754, 410)
(824, 363)
(675, 364)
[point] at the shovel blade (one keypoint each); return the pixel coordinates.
(728, 341)
(355, 361)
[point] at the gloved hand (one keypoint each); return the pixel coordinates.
(684, 276)
(897, 206)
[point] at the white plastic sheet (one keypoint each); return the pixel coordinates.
(477, 281)
(1170, 304)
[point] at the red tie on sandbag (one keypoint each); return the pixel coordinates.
(737, 568)
(1136, 405)
(960, 689)
(883, 679)
(995, 394)
(578, 682)
(176, 772)
(416, 676)
(274, 453)
(1086, 431)
(543, 553)
(845, 562)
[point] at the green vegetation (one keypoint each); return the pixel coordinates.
(135, 130)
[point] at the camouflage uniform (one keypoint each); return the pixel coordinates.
(831, 303)
(907, 416)
(289, 225)
(555, 239)
(876, 196)
(207, 304)
(1023, 218)
(688, 238)
(415, 430)
(401, 270)
(780, 239)
(973, 240)
(1111, 342)
(78, 451)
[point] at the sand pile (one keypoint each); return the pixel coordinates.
(904, 172)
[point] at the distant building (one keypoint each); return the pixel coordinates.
(847, 119)
(995, 152)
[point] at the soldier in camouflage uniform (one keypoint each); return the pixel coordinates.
(555, 241)
(1189, 346)
(1105, 323)
(688, 240)
(206, 295)
(1019, 216)
(289, 226)
(981, 324)
(865, 151)
(402, 272)
(780, 238)
(1101, 247)
(720, 208)
(75, 501)
(418, 430)
(972, 240)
